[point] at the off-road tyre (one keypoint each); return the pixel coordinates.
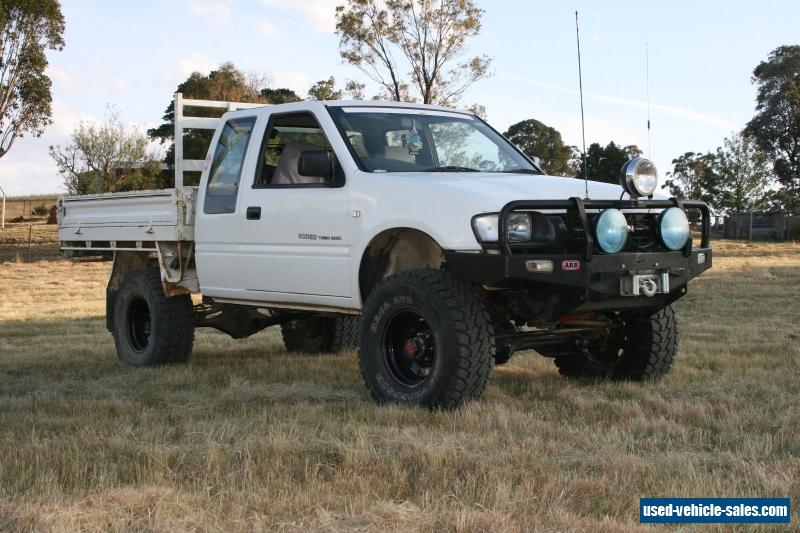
(150, 328)
(320, 335)
(455, 339)
(646, 350)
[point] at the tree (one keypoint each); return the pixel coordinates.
(227, 83)
(27, 29)
(694, 176)
(106, 158)
(429, 36)
(325, 90)
(537, 139)
(605, 163)
(776, 124)
(279, 96)
(744, 175)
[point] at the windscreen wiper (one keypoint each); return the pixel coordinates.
(521, 171)
(451, 168)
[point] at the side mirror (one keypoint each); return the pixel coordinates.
(536, 160)
(316, 164)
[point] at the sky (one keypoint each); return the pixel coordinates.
(131, 55)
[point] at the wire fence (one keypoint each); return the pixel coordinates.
(29, 242)
(26, 208)
(763, 226)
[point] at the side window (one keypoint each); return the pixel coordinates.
(226, 167)
(287, 136)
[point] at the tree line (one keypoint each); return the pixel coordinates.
(410, 50)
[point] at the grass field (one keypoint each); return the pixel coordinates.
(248, 436)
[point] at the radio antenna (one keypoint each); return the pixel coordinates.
(583, 121)
(647, 77)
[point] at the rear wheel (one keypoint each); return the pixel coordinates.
(426, 339)
(149, 327)
(636, 347)
(318, 334)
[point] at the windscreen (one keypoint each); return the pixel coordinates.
(389, 140)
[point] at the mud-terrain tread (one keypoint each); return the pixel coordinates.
(654, 341)
(174, 337)
(648, 353)
(474, 334)
(345, 333)
(340, 333)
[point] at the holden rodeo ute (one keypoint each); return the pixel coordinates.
(416, 233)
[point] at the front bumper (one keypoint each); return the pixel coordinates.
(586, 278)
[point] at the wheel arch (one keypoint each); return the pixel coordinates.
(396, 250)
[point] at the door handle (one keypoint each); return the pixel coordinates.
(254, 213)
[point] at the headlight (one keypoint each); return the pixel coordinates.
(673, 227)
(519, 227)
(639, 177)
(611, 230)
(485, 227)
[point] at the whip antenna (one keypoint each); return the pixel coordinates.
(583, 122)
(647, 77)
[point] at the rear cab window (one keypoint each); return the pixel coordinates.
(226, 166)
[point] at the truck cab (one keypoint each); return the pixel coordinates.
(416, 233)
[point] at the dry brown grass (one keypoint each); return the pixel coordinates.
(249, 437)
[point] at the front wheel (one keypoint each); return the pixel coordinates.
(426, 339)
(151, 328)
(637, 348)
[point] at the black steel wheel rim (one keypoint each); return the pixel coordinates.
(409, 348)
(139, 324)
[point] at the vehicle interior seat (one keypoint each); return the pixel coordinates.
(286, 170)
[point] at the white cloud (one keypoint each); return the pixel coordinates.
(213, 10)
(269, 30)
(29, 177)
(688, 114)
(299, 82)
(59, 77)
(320, 13)
(195, 62)
(65, 119)
(120, 84)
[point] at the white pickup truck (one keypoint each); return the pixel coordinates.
(416, 233)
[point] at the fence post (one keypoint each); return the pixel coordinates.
(750, 235)
(30, 234)
(3, 192)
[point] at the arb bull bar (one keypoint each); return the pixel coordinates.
(583, 275)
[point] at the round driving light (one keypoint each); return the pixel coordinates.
(673, 227)
(639, 177)
(611, 230)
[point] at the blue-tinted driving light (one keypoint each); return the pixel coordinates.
(673, 227)
(611, 230)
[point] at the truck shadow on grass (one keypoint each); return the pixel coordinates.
(77, 357)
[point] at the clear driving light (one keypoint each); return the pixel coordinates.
(486, 227)
(673, 227)
(639, 177)
(611, 230)
(519, 227)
